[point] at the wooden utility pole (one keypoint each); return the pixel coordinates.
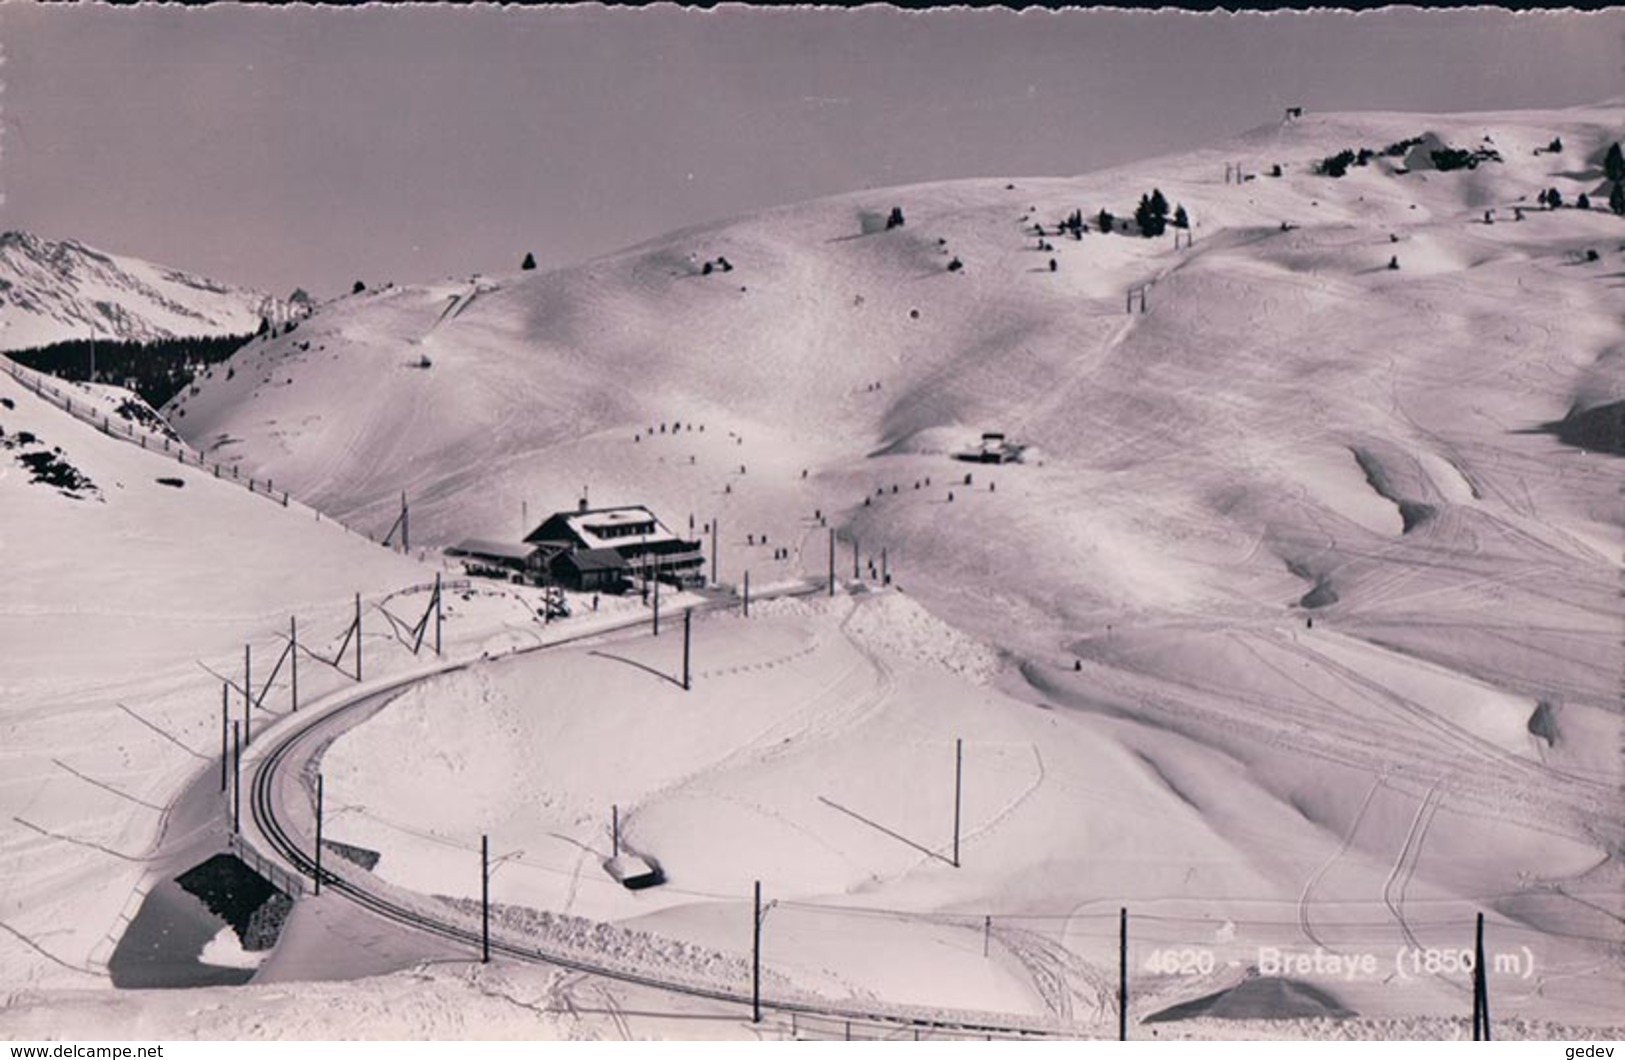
(885, 575)
(756, 959)
(855, 573)
(1481, 988)
(406, 532)
(293, 650)
(485, 899)
(358, 636)
(248, 695)
(832, 561)
(236, 779)
(688, 620)
(438, 612)
(225, 732)
(1122, 975)
(318, 835)
(657, 605)
(615, 830)
(987, 934)
(747, 594)
(959, 768)
(715, 528)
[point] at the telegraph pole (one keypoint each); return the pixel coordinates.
(715, 528)
(293, 650)
(248, 694)
(225, 733)
(688, 619)
(485, 899)
(1122, 975)
(657, 604)
(832, 561)
(318, 835)
(236, 779)
(959, 768)
(358, 636)
(615, 830)
(747, 594)
(756, 959)
(1481, 988)
(406, 532)
(437, 612)
(855, 574)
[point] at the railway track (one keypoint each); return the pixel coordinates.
(292, 748)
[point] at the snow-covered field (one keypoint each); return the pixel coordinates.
(1296, 634)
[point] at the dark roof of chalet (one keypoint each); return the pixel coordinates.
(588, 559)
(479, 546)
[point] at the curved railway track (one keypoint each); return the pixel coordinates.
(289, 749)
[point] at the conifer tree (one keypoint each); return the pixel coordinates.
(529, 262)
(1614, 164)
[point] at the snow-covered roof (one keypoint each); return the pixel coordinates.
(607, 527)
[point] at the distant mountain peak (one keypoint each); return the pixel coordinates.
(57, 290)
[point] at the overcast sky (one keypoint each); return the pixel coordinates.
(312, 147)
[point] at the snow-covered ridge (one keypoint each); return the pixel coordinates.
(55, 291)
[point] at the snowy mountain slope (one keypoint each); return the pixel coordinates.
(56, 291)
(1293, 431)
(116, 600)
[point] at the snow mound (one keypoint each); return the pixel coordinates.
(899, 627)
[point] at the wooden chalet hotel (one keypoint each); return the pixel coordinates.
(591, 550)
